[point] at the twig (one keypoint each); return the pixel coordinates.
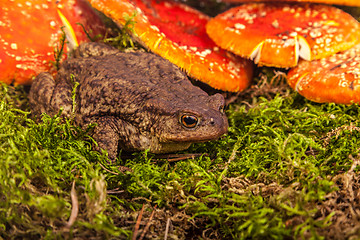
(192, 156)
(121, 169)
(148, 224)
(169, 157)
(103, 167)
(356, 162)
(114, 191)
(233, 153)
(167, 229)
(75, 207)
(179, 157)
(138, 221)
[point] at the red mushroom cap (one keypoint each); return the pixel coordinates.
(277, 34)
(177, 32)
(337, 2)
(332, 79)
(30, 30)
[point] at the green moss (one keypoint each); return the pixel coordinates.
(287, 169)
(266, 179)
(123, 40)
(39, 163)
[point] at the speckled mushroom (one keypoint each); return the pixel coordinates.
(177, 32)
(355, 3)
(30, 30)
(277, 34)
(332, 79)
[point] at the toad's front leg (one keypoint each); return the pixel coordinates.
(48, 96)
(40, 94)
(106, 135)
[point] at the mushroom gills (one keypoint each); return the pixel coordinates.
(304, 50)
(298, 87)
(69, 31)
(256, 53)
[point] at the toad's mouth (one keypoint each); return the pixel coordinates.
(193, 137)
(180, 144)
(170, 147)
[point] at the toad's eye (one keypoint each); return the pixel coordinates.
(189, 121)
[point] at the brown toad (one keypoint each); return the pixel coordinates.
(138, 100)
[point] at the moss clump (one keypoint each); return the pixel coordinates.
(38, 164)
(286, 169)
(280, 172)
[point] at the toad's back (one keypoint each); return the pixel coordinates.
(117, 83)
(138, 100)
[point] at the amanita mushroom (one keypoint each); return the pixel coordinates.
(177, 33)
(338, 2)
(30, 30)
(277, 34)
(332, 79)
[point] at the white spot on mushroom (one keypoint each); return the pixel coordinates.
(239, 26)
(13, 46)
(293, 34)
(21, 66)
(204, 53)
(155, 28)
(193, 48)
(275, 23)
(339, 38)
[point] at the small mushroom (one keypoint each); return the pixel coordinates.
(355, 3)
(177, 32)
(332, 79)
(30, 30)
(277, 34)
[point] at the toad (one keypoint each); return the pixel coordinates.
(138, 101)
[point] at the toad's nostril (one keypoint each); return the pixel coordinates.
(222, 109)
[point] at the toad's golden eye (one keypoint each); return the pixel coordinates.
(189, 121)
